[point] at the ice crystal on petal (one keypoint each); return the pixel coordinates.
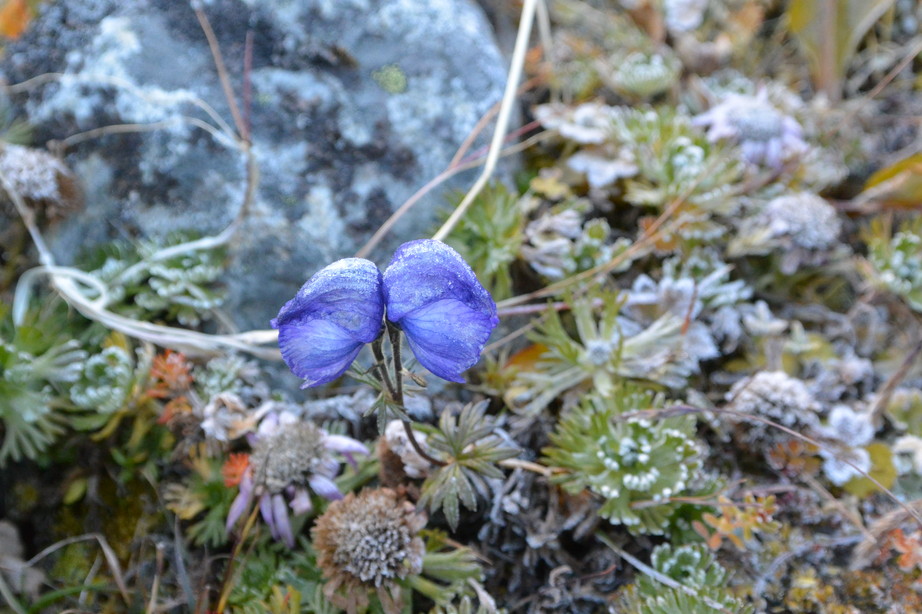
(436, 299)
(323, 328)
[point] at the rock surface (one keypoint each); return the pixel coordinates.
(354, 104)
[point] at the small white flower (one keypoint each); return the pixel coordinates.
(842, 465)
(684, 15)
(766, 135)
(848, 426)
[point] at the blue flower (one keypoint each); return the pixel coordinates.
(323, 328)
(434, 297)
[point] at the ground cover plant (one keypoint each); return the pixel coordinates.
(669, 365)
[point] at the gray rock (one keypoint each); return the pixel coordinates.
(355, 104)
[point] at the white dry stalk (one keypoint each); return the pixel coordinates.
(502, 122)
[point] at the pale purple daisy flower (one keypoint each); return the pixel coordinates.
(765, 135)
(323, 328)
(291, 458)
(435, 298)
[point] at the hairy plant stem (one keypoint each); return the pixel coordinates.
(394, 335)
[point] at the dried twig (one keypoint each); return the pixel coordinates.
(502, 121)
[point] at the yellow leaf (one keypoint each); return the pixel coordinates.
(882, 470)
(899, 184)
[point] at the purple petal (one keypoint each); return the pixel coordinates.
(301, 502)
(242, 501)
(447, 350)
(265, 508)
(325, 487)
(435, 297)
(317, 351)
(282, 523)
(322, 329)
(344, 445)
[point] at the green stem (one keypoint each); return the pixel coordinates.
(394, 334)
(377, 350)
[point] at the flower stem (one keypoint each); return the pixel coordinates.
(394, 334)
(377, 351)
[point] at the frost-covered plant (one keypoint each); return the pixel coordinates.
(635, 465)
(40, 178)
(36, 369)
(675, 161)
(684, 15)
(774, 396)
(802, 227)
(849, 431)
(104, 384)
(468, 448)
(561, 242)
(694, 567)
(371, 544)
(765, 135)
(145, 286)
(641, 76)
(896, 262)
(607, 347)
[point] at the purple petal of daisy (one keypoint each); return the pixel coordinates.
(434, 296)
(265, 508)
(242, 501)
(346, 446)
(282, 523)
(301, 502)
(337, 311)
(325, 487)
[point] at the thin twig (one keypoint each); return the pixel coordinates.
(502, 121)
(518, 463)
(108, 552)
(155, 587)
(223, 76)
(886, 391)
(438, 179)
(890, 76)
(226, 584)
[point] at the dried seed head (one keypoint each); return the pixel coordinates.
(41, 179)
(368, 541)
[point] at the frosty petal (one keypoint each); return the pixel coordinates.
(447, 337)
(301, 502)
(344, 445)
(434, 296)
(282, 522)
(325, 487)
(242, 501)
(322, 329)
(265, 508)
